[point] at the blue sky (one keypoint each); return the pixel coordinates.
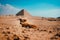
(45, 8)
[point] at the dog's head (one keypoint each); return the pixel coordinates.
(22, 20)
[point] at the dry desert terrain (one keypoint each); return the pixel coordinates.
(23, 26)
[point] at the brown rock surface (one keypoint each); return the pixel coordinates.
(34, 28)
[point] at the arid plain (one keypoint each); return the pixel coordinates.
(24, 26)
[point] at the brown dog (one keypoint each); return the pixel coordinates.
(24, 23)
(27, 25)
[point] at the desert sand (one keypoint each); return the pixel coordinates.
(24, 26)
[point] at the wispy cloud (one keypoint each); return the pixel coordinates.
(43, 9)
(47, 13)
(46, 10)
(8, 9)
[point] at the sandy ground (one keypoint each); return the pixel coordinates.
(37, 29)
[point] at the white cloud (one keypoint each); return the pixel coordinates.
(48, 13)
(8, 9)
(46, 10)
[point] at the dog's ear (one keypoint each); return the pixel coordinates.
(20, 20)
(24, 20)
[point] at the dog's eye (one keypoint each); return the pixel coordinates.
(24, 20)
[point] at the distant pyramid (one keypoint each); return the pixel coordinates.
(23, 13)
